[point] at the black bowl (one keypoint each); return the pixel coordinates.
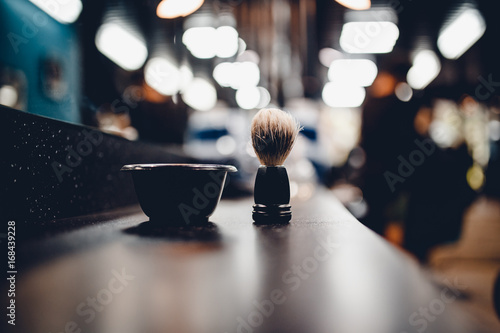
(178, 194)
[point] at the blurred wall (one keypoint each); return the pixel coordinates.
(45, 55)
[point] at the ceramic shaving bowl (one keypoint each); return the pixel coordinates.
(178, 194)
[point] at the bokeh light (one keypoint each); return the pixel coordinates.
(339, 95)
(357, 72)
(66, 11)
(200, 95)
(169, 9)
(403, 92)
(163, 76)
(461, 33)
(121, 45)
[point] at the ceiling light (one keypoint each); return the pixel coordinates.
(248, 97)
(355, 4)
(339, 95)
(378, 13)
(458, 36)
(253, 98)
(265, 98)
(227, 42)
(200, 41)
(66, 11)
(369, 37)
(245, 74)
(208, 42)
(237, 75)
(169, 9)
(121, 46)
(242, 46)
(357, 72)
(426, 67)
(163, 76)
(327, 55)
(223, 74)
(200, 95)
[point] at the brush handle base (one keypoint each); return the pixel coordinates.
(271, 214)
(272, 196)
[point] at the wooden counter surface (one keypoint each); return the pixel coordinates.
(324, 272)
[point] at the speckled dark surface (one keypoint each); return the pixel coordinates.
(34, 147)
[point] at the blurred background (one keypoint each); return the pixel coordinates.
(398, 98)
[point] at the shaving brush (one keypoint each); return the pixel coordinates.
(273, 135)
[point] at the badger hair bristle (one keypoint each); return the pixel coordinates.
(273, 135)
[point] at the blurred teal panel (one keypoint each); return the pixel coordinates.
(47, 52)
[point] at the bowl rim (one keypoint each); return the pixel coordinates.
(186, 166)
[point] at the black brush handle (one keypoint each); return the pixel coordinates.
(272, 196)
